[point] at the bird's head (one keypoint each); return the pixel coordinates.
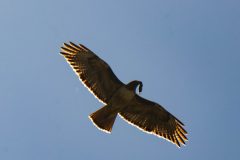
(134, 84)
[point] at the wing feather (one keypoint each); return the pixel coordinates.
(152, 118)
(94, 73)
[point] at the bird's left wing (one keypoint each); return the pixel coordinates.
(94, 73)
(152, 118)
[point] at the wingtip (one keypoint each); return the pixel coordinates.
(70, 42)
(74, 46)
(65, 44)
(83, 47)
(63, 53)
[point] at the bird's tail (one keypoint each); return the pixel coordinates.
(104, 118)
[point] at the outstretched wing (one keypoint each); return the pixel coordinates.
(152, 118)
(94, 73)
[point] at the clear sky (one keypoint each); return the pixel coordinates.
(186, 53)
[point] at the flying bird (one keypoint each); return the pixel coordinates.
(119, 98)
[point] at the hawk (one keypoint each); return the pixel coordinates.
(119, 98)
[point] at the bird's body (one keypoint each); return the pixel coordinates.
(121, 99)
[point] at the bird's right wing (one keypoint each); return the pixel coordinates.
(152, 118)
(94, 73)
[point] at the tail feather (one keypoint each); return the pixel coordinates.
(103, 119)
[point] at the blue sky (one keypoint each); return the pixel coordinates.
(186, 53)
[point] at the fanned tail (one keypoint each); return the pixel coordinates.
(103, 119)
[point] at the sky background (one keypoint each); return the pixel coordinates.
(186, 53)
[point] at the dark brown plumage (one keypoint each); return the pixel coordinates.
(120, 99)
